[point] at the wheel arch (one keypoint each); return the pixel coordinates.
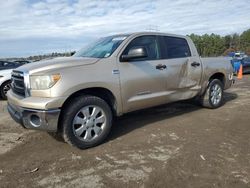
(8, 80)
(218, 75)
(4, 82)
(100, 92)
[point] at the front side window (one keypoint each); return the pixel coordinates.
(175, 47)
(149, 43)
(103, 47)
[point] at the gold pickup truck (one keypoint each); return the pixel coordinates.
(77, 97)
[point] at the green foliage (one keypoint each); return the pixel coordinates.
(216, 45)
(245, 41)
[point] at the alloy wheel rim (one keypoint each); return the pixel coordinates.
(6, 88)
(89, 122)
(216, 94)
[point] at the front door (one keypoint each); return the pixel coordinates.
(143, 82)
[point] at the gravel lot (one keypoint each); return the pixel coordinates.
(176, 145)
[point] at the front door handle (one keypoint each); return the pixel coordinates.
(160, 66)
(195, 64)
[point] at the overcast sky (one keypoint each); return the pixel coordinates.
(31, 27)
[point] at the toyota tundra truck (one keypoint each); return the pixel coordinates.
(78, 96)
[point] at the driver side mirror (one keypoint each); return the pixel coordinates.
(135, 53)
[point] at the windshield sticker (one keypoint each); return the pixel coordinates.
(118, 38)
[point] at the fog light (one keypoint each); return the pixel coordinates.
(35, 120)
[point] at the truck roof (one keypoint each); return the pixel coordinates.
(149, 33)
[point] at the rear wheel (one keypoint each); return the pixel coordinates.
(213, 97)
(5, 87)
(86, 121)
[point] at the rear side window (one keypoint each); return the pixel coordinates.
(175, 47)
(147, 41)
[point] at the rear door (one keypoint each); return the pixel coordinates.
(184, 71)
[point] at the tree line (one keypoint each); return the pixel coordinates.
(41, 57)
(216, 45)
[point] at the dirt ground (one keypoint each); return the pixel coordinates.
(175, 145)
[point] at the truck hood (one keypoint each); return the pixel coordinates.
(4, 72)
(56, 63)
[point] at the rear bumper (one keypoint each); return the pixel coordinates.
(230, 80)
(46, 120)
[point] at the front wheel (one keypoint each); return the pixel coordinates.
(86, 121)
(4, 89)
(213, 97)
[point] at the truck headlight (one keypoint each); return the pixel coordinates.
(44, 81)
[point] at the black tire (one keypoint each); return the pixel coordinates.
(206, 98)
(72, 110)
(3, 89)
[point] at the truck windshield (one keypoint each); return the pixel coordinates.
(103, 47)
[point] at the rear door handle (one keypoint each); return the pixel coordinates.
(195, 64)
(160, 66)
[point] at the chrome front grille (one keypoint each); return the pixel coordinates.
(17, 85)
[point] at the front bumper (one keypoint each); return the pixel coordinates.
(35, 112)
(46, 120)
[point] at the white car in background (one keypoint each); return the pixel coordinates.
(6, 68)
(5, 81)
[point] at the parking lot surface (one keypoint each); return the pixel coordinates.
(175, 145)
